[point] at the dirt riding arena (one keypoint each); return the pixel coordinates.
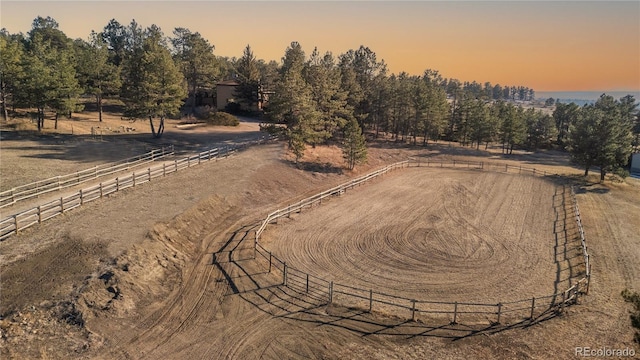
(160, 272)
(444, 235)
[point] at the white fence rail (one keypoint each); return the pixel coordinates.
(495, 313)
(15, 223)
(35, 189)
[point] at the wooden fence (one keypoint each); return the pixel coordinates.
(453, 312)
(35, 189)
(15, 223)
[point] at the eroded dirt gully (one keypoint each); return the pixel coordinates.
(133, 277)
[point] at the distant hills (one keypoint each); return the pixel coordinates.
(583, 97)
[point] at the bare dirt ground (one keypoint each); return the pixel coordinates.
(132, 275)
(431, 234)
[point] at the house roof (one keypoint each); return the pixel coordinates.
(228, 83)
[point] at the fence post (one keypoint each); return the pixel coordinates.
(455, 313)
(78, 176)
(370, 300)
(134, 179)
(15, 222)
(330, 292)
(164, 169)
(284, 275)
(499, 312)
(189, 161)
(100, 189)
(413, 310)
(588, 275)
(81, 198)
(533, 306)
(61, 206)
(39, 214)
(506, 168)
(307, 282)
(117, 184)
(175, 162)
(149, 172)
(269, 261)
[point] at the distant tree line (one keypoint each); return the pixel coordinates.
(312, 100)
(316, 97)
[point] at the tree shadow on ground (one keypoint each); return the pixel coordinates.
(115, 147)
(311, 166)
(444, 148)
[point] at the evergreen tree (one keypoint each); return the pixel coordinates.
(354, 148)
(479, 123)
(512, 127)
(95, 73)
(323, 76)
(249, 79)
(565, 115)
(48, 79)
(153, 86)
(195, 59)
(602, 136)
(11, 57)
(293, 105)
(114, 36)
(540, 128)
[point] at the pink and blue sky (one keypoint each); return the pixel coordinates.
(545, 45)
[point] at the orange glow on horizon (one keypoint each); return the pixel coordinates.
(548, 46)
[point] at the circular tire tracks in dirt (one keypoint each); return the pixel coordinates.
(430, 234)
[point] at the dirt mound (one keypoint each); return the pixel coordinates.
(150, 270)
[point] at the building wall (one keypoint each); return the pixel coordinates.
(224, 93)
(635, 162)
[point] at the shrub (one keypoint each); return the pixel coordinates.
(217, 118)
(634, 298)
(222, 118)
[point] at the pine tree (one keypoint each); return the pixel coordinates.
(11, 54)
(49, 76)
(354, 149)
(565, 115)
(512, 127)
(293, 105)
(195, 59)
(153, 86)
(95, 73)
(249, 79)
(323, 77)
(601, 136)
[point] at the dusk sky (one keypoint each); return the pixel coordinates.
(548, 46)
